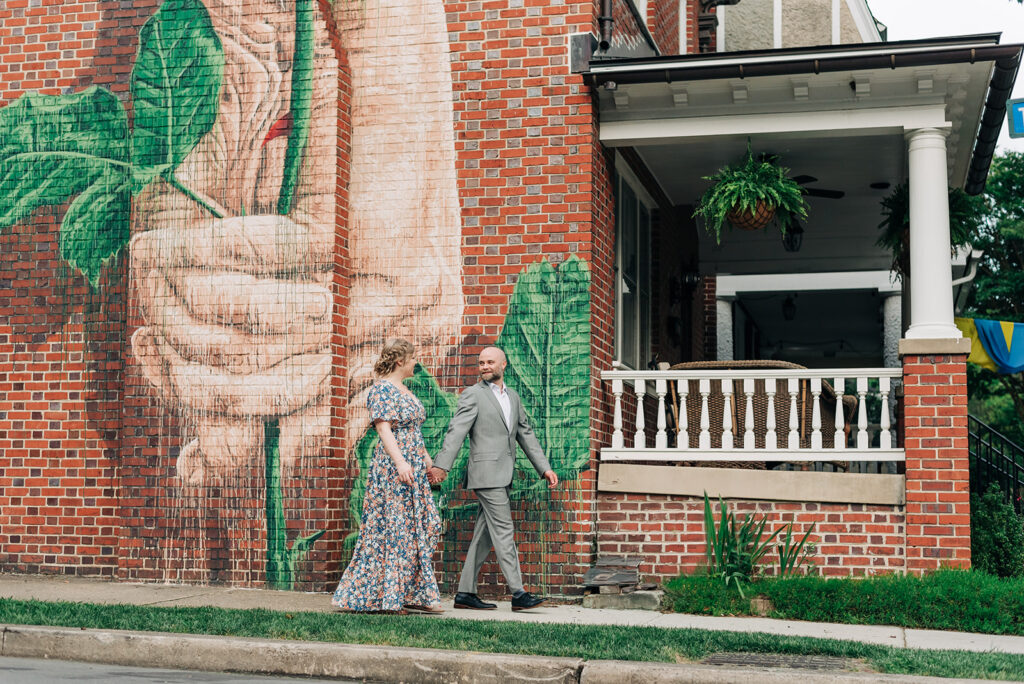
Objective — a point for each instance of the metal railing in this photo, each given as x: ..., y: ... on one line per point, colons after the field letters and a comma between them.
x: 787, y: 415
x: 995, y: 458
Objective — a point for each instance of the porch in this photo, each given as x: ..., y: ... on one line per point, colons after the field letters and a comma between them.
x: 862, y: 434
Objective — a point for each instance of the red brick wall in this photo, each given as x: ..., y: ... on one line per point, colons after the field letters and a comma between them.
x: 668, y: 532
x: 60, y: 342
x: 935, y: 439
x: 663, y: 22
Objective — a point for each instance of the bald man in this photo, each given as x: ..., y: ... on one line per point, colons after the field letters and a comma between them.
x: 492, y: 416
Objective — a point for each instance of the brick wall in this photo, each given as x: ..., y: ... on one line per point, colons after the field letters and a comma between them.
x: 935, y: 439
x: 668, y: 532
x: 663, y: 21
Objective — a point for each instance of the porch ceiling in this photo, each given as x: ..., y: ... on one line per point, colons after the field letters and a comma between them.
x: 824, y: 113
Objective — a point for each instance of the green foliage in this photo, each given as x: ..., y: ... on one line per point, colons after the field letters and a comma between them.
x: 282, y: 562
x: 60, y: 148
x: 546, y: 337
x: 792, y: 553
x: 75, y: 148
x: 959, y: 600
x: 966, y: 214
x: 175, y: 84
x: 997, y: 535
x: 734, y: 549
x: 998, y: 292
x: 301, y: 102
x: 590, y: 642
x: 742, y: 186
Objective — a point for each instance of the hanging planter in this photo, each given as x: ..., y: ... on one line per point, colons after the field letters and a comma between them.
x: 749, y: 195
x: 751, y: 219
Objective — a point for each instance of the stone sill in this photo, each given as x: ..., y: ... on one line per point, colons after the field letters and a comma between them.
x: 758, y: 485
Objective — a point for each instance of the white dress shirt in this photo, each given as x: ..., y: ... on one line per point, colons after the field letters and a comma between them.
x: 501, y: 394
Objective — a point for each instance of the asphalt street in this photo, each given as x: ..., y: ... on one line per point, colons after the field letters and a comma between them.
x: 39, y: 671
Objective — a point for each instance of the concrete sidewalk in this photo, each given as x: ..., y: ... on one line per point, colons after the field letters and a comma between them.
x: 267, y: 656
x: 46, y: 588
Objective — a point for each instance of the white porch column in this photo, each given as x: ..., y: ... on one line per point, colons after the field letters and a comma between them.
x: 724, y: 328
x: 892, y: 330
x: 931, y: 292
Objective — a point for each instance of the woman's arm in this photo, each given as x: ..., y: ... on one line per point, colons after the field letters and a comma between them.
x: 387, y: 438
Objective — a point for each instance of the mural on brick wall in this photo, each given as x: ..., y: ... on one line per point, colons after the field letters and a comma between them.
x: 218, y: 173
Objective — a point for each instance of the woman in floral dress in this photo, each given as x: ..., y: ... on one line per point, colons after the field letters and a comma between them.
x: 391, y: 569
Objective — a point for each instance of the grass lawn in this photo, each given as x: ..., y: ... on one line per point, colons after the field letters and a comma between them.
x: 588, y: 642
x: 957, y: 600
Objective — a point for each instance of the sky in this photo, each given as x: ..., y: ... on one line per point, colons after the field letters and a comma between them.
x: 909, y: 19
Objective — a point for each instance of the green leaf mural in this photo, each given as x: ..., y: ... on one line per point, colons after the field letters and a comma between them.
x: 546, y: 337
x: 175, y: 86
x: 56, y: 148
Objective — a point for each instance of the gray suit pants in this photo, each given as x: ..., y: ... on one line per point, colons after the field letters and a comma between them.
x: 493, y: 527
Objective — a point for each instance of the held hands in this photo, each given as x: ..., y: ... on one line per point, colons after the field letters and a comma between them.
x: 404, y: 472
x: 552, y: 479
x: 436, y: 475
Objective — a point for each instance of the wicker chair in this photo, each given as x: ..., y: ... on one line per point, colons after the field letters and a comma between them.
x: 716, y: 407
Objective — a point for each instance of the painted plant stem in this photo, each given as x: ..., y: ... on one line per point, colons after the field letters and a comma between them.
x: 280, y: 561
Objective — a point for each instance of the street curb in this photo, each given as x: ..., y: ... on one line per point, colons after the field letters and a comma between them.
x: 384, y: 663
x: 281, y: 657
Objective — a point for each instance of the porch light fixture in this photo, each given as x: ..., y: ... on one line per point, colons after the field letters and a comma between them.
x: 793, y: 238
x: 789, y: 308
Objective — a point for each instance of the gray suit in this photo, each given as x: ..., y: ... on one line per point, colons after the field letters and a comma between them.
x: 492, y: 459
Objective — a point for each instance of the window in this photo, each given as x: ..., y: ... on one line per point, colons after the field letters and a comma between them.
x: 632, y: 271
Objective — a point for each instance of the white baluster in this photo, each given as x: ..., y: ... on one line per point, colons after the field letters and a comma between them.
x: 770, y: 438
x: 727, y: 436
x: 794, y: 418
x: 683, y: 438
x: 748, y: 414
x: 705, y: 421
x: 661, y: 437
x: 885, y: 438
x: 639, y: 438
x: 863, y: 439
x: 617, y: 419
x: 840, y: 424
x: 815, y: 413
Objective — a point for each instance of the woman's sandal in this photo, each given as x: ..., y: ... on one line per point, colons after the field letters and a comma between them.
x: 429, y: 610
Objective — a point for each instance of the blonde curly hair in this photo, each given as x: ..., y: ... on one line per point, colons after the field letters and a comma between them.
x: 395, y: 351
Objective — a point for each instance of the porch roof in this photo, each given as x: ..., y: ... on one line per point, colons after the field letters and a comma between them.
x: 836, y: 113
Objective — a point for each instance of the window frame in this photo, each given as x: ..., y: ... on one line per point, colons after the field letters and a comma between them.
x: 625, y: 182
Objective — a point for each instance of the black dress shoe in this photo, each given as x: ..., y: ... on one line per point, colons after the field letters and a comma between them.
x: 526, y: 601
x: 472, y: 602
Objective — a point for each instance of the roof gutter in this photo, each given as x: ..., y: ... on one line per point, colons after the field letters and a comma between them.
x: 1006, y: 59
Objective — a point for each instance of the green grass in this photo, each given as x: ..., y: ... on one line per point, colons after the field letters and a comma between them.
x: 958, y: 600
x: 580, y: 641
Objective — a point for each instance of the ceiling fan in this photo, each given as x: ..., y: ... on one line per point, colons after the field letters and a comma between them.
x: 803, y: 180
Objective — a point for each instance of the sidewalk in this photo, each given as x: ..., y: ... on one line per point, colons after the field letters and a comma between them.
x: 214, y: 653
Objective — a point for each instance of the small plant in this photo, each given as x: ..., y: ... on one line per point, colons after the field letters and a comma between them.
x: 997, y: 535
x: 734, y: 549
x: 755, y: 190
x: 793, y: 554
x: 965, y: 217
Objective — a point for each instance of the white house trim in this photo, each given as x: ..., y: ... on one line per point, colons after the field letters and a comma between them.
x: 864, y: 20
x: 733, y: 285
x: 846, y: 122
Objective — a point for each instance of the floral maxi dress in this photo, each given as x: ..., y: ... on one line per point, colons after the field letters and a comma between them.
x: 391, y: 564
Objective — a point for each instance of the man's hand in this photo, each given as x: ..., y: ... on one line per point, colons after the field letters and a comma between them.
x: 552, y: 479
x: 436, y: 475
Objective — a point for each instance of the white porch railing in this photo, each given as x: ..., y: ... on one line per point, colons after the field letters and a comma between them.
x: 754, y: 415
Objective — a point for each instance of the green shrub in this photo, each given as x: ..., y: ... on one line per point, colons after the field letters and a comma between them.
x: 958, y: 600
x: 997, y: 535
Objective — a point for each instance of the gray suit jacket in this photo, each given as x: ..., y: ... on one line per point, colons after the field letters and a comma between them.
x: 492, y: 444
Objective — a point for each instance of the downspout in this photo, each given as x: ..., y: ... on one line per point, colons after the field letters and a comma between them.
x: 605, y: 23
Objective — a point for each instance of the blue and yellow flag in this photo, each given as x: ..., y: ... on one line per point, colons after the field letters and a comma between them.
x: 995, y: 345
